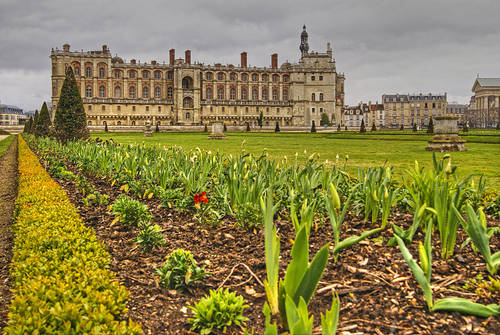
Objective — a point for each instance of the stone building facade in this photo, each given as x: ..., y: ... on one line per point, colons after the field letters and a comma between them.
x: 459, y: 110
x: 409, y: 109
x: 120, y: 93
x: 11, y: 115
x: 484, y: 108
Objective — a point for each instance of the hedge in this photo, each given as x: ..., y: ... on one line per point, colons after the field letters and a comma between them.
x: 61, y: 283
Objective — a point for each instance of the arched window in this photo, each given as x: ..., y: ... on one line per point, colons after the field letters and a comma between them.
x: 243, y: 94
x: 209, y: 76
x: 232, y: 93
x: 133, y: 123
x: 118, y: 92
x: 131, y: 92
x: 77, y: 71
x: 187, y: 83
x: 89, y: 123
x: 102, y: 92
x: 101, y: 72
x: 255, y: 94
x: 321, y: 97
x: 117, y: 74
x: 209, y: 93
x: 255, y: 77
x: 170, y: 92
x: 264, y: 77
x: 232, y: 76
x: 145, y: 74
x: 276, y: 78
x: 88, y: 72
x: 313, y: 97
x: 220, y: 93
x: 275, y: 94
x: 187, y: 102
x: 220, y: 76
x: 188, y: 116
x: 104, y: 123
x: 157, y: 75
x: 157, y: 92
x: 145, y: 92
x: 264, y: 94
x: 285, y: 79
x: 285, y: 95
x: 170, y: 75
x: 88, y: 91
x: 244, y: 77
x: 119, y: 123
x: 131, y: 74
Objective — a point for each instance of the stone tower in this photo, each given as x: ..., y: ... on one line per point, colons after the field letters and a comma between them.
x: 304, y: 45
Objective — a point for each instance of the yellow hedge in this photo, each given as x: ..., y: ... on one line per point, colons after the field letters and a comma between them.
x: 59, y: 268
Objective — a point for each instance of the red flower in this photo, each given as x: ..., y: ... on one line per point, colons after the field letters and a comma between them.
x: 200, y: 198
x: 203, y: 197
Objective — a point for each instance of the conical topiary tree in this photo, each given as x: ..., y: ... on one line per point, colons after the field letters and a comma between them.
x: 313, y: 127
x: 248, y: 126
x: 35, y: 122
x: 277, y: 128
x: 402, y: 127
x: 414, y: 128
x: 362, y: 128
x: 324, y: 120
x: 466, y: 127
x: 106, y: 127
x: 225, y: 128
x: 260, y: 119
x: 157, y: 129
x: 43, y: 125
x: 430, y: 128
x: 69, y: 121
x: 205, y: 129
x: 374, y: 127
x: 29, y: 125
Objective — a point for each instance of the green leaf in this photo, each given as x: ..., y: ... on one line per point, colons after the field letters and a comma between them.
x: 352, y: 240
x: 313, y: 275
x: 330, y: 320
x: 465, y: 306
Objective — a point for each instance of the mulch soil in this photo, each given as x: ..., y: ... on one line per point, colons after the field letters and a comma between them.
x: 8, y: 194
x: 378, y: 293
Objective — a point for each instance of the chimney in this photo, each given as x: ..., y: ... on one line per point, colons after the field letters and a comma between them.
x: 274, y: 61
x: 153, y: 62
x: 172, y: 56
x: 66, y: 47
x: 243, y: 59
x: 187, y: 57
x: 132, y: 61
x: 104, y: 48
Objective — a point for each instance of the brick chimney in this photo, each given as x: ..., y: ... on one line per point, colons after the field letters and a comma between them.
x: 274, y: 61
x: 243, y: 59
x: 66, y: 47
x: 104, y: 48
x: 172, y: 56
x: 132, y: 61
x: 187, y: 57
x: 153, y: 62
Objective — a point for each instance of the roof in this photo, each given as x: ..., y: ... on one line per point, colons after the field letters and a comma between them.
x: 486, y: 82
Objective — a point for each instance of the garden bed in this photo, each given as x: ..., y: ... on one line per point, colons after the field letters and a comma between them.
x: 378, y: 293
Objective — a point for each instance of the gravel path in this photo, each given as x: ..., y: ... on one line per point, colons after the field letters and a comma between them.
x: 8, y: 193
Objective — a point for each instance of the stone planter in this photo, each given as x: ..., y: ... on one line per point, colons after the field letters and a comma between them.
x: 446, y: 135
x: 217, y: 131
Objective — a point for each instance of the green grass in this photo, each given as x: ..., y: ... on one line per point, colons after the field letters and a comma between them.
x: 397, y: 150
x: 4, y: 144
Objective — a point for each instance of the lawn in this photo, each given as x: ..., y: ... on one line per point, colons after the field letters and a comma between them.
x: 363, y: 150
x: 4, y: 144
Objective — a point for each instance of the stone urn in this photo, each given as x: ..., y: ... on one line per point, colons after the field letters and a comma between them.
x: 147, y: 131
x: 446, y: 135
x: 217, y: 131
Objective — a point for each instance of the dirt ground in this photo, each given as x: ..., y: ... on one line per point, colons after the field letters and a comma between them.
x: 8, y: 193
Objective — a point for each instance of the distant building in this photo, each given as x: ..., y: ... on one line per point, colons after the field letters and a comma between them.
x: 484, y: 108
x: 459, y: 110
x: 409, y: 109
x: 377, y: 114
x: 370, y: 113
x: 10, y: 115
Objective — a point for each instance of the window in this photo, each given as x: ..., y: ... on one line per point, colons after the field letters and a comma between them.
x: 101, y: 72
x: 277, y: 110
x: 159, y: 108
x: 285, y: 79
x: 313, y: 97
x: 312, y: 78
x: 275, y: 94
x: 119, y: 108
x: 117, y: 74
x: 232, y: 93
x: 118, y: 92
x: 170, y: 92
x: 276, y: 78
x: 157, y: 92
x: 232, y: 76
x: 119, y: 123
x: 90, y: 108
x: 145, y: 92
x: 255, y: 77
x: 157, y: 75
x: 209, y: 93
x: 102, y: 92
x: 223, y: 110
x: 89, y: 123
x: 187, y: 83
x: 131, y: 74
x: 131, y: 92
x: 220, y: 76
x: 88, y: 72
x: 321, y: 97
x: 145, y: 74
x: 220, y: 93
x: 246, y: 110
x: 170, y: 75
x: 88, y: 91
x: 133, y: 110
x: 243, y: 94
x: 208, y: 76
x: 77, y: 72
x: 244, y: 77
x: 321, y: 110
x: 255, y: 94
x: 264, y: 94
x: 265, y: 77
x: 320, y: 78
x: 103, y: 108
x: 133, y: 122
x: 235, y: 110
x: 285, y: 95
x: 312, y: 110
x: 147, y: 108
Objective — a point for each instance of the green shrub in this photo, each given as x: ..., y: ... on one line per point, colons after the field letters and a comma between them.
x: 180, y: 270
x: 150, y: 237
x: 218, y: 311
x: 130, y: 211
x: 96, y: 199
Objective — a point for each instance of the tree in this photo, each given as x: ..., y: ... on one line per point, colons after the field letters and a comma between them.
x: 35, y: 123
x: 402, y: 127
x: 259, y: 120
x: 69, y: 121
x: 43, y: 125
x: 414, y: 127
x: 248, y: 126
x: 430, y: 128
x: 106, y: 126
x: 205, y: 129
x: 324, y: 120
x: 345, y: 128
x: 313, y: 127
x: 157, y: 129
x: 277, y: 128
x: 225, y: 128
x: 339, y: 128
x: 498, y: 125
x: 466, y: 127
x: 28, y: 126
x: 362, y: 128
x: 374, y: 127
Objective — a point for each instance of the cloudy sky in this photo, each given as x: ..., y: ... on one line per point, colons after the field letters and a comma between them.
x: 382, y: 46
